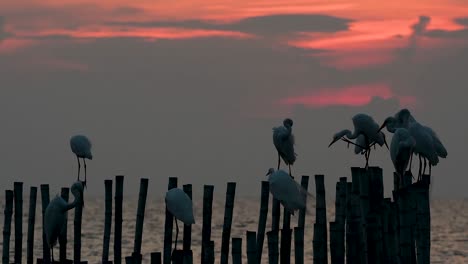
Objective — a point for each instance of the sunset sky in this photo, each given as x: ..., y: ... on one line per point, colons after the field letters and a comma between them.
x: 192, y: 88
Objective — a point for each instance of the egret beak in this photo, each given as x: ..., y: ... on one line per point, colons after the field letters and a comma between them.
x: 333, y: 141
x: 385, y: 142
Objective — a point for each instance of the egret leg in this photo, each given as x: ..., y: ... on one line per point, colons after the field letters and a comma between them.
x: 79, y: 167
x: 279, y: 161
x: 84, y: 161
x: 289, y: 165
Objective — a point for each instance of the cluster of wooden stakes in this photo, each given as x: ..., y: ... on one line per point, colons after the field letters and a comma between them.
x: 367, y: 228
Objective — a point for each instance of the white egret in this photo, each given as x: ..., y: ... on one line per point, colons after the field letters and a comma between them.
x: 401, y: 150
x: 55, y: 215
x: 179, y: 204
x: 366, y: 132
x: 283, y: 139
x: 428, y: 145
x: 286, y: 190
x: 81, y: 146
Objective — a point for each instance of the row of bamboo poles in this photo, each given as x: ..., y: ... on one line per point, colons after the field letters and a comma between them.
x: 367, y: 228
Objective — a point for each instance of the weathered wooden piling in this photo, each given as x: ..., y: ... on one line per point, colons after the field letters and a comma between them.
x: 402, y: 197
x: 207, y: 214
x: 251, y: 247
x: 423, y: 219
x: 273, y: 253
x: 8, y: 213
x: 65, y: 193
x: 107, y: 221
x: 320, y: 226
x: 262, y: 218
x: 209, y: 252
x: 334, y: 247
x: 374, y: 239
x: 285, y: 242
x: 45, y: 202
x: 338, y: 240
x: 275, y: 214
x: 363, y: 175
x: 31, y: 224
x: 18, y: 192
x: 168, y: 226
x: 77, y: 232
x: 299, y: 245
x: 353, y: 223
x: 118, y: 218
x: 228, y: 212
x: 188, y: 254
x: 236, y: 250
x: 136, y: 255
x: 156, y: 258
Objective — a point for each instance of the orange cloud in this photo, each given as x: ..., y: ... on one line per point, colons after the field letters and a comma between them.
x: 358, y: 95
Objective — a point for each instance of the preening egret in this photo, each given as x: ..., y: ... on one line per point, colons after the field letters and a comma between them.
x: 428, y: 145
x: 179, y: 204
x: 366, y: 132
x: 55, y: 214
x: 283, y: 139
x: 81, y: 146
x: 286, y: 190
x: 401, y: 149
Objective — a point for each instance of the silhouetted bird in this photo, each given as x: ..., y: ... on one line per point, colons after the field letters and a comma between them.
x: 179, y: 204
x: 283, y: 139
x: 286, y: 190
x: 401, y: 150
x: 81, y: 146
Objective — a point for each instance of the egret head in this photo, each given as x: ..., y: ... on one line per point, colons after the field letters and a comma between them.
x: 270, y: 171
x: 288, y: 122
x: 339, y: 135
x: 390, y: 123
x: 382, y: 140
x: 77, y: 190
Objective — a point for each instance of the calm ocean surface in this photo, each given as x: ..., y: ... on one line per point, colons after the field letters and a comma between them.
x: 449, y: 228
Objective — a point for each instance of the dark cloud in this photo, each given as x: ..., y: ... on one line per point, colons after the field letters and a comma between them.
x: 440, y: 33
x: 127, y: 11
x: 462, y: 21
x: 3, y: 33
x: 262, y: 25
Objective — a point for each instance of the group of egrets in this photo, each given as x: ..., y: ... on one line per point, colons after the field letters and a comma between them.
x: 410, y: 137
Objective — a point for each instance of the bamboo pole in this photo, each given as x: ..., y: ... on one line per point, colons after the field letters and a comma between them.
x: 18, y: 192
x: 178, y: 256
x: 353, y: 223
x: 188, y: 254
x: 63, y: 236
x: 424, y: 221
x: 156, y: 258
x: 8, y: 213
x: 401, y: 197
x: 264, y: 199
x: 228, y: 211
x: 302, y: 212
x: 77, y: 232
x: 207, y: 214
x: 286, y: 233
x: 107, y: 221
x: 168, y: 226
x: 334, y: 243
x: 118, y: 218
x: 45, y: 202
x: 374, y: 238
x: 273, y: 253
x: 31, y: 224
x: 251, y: 247
x: 340, y: 218
x: 236, y: 250
x: 364, y: 176
x: 136, y: 255
x: 299, y: 245
x: 320, y: 226
x: 275, y: 214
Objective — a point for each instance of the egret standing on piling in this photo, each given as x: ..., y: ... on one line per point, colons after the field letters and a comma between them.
x: 179, y: 204
x: 401, y: 149
x: 81, y: 146
x: 283, y: 139
x: 55, y: 215
x: 286, y: 190
x: 366, y: 131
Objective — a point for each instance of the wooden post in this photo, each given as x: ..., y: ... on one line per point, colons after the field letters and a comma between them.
x: 136, y: 255
x: 18, y: 192
x: 299, y: 245
x: 264, y: 199
x: 31, y: 224
x: 107, y: 221
x: 286, y: 233
x: 393, y: 244
x: 251, y: 247
x: 376, y: 190
x: 320, y: 226
x: 353, y: 223
x: 423, y: 220
x: 275, y: 214
x: 118, y: 218
x: 402, y: 198
x: 8, y: 213
x: 228, y: 211
x: 178, y: 256
x: 45, y: 202
x: 302, y: 212
x: 77, y: 233
x: 374, y: 239
x: 364, y: 182
x: 207, y: 213
x: 340, y: 219
x: 188, y: 254
x: 334, y: 243
x: 168, y: 226
x: 273, y: 253
x: 156, y: 258
x: 236, y: 250
x: 63, y: 236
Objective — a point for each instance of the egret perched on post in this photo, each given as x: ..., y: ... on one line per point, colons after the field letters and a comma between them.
x: 428, y: 145
x: 366, y: 132
x: 401, y: 149
x: 283, y: 139
x: 179, y: 204
x: 286, y: 190
x: 55, y: 215
x: 81, y: 146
